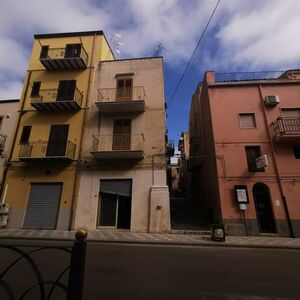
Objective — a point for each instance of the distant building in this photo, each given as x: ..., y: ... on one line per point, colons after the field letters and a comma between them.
x: 184, y: 149
x: 234, y: 120
x: 8, y: 114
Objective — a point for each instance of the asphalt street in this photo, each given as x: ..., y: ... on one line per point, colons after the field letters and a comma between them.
x: 136, y: 271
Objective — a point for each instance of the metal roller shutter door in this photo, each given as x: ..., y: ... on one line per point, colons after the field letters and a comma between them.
x: 43, y: 205
x: 120, y: 187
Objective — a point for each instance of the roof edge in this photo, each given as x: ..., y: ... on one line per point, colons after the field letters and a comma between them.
x: 67, y: 34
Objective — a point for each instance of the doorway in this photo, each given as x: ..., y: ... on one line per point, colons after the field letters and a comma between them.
x: 124, y: 89
x: 66, y: 90
x: 121, y: 134
x: 115, y: 203
x: 263, y: 207
x: 57, y: 142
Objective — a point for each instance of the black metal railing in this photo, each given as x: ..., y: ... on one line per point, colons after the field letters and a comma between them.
x: 2, y: 141
x: 51, y: 95
x: 248, y: 76
x: 69, y: 281
x: 285, y: 126
x: 42, y: 149
x: 60, y: 53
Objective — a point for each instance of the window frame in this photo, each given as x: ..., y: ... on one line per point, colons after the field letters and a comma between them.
x: 249, y: 163
x: 247, y: 113
x: 295, y: 149
x: 22, y: 140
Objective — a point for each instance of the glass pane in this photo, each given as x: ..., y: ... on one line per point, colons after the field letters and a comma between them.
x: 108, y: 210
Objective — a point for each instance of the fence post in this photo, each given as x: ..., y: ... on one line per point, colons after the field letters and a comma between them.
x: 76, y: 275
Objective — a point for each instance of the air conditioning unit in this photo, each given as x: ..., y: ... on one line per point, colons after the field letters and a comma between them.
x: 272, y: 100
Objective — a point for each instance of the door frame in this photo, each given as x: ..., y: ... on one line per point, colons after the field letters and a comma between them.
x: 267, y: 192
x: 117, y: 208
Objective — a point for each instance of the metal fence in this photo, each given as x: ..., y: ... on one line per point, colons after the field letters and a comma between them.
x: 2, y: 141
x: 69, y: 281
x: 42, y: 149
x: 50, y: 95
x: 121, y: 94
x: 246, y: 76
x: 118, y: 142
x: 286, y: 126
x: 60, y: 53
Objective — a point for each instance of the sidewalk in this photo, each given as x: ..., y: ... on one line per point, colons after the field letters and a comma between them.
x: 114, y: 236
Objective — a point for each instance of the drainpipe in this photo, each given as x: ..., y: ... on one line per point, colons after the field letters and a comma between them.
x: 76, y: 179
x: 278, y: 176
x: 16, y: 131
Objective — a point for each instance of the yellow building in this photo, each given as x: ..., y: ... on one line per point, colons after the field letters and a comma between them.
x: 42, y: 178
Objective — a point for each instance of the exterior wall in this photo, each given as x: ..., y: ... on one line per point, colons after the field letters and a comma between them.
x: 226, y: 101
x: 21, y: 174
x: 8, y: 111
x: 145, y: 173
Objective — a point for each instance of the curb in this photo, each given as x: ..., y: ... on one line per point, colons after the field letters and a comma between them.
x: 160, y: 243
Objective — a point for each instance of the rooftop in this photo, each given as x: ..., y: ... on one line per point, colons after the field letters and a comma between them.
x: 67, y: 34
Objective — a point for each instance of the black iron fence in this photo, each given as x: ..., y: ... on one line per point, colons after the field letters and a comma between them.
x: 69, y: 281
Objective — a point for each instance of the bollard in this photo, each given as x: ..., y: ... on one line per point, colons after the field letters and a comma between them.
x: 76, y: 275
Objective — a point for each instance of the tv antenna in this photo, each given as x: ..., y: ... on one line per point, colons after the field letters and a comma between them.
x: 158, y: 50
x: 116, y: 42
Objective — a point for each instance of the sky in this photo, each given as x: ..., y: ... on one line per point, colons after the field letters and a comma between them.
x: 256, y: 35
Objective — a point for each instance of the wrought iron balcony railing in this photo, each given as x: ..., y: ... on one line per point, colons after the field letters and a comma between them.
x: 121, y: 94
x: 47, y: 150
x: 49, y: 99
x: 2, y: 141
x: 61, y: 59
x: 118, y: 146
x: 285, y: 127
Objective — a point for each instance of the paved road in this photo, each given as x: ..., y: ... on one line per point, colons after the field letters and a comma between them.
x: 161, y: 272
x: 132, y: 271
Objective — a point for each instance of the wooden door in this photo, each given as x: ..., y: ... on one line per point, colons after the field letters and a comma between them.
x: 66, y: 90
x: 57, y: 142
x: 121, y: 134
x: 124, y: 89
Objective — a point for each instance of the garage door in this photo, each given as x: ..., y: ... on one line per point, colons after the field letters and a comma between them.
x: 43, y: 205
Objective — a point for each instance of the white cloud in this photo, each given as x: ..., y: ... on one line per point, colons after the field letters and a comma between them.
x: 243, y: 34
x: 10, y: 90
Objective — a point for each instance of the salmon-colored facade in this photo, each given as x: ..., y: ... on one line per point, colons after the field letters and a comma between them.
x: 232, y: 123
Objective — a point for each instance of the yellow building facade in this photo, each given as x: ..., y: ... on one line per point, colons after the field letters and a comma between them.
x: 42, y: 177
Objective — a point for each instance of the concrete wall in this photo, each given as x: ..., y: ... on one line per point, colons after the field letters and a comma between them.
x: 226, y: 102
x: 147, y: 73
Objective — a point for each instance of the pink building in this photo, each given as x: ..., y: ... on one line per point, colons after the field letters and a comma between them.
x: 234, y: 119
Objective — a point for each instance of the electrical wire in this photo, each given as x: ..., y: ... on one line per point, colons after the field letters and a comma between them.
x: 191, y: 58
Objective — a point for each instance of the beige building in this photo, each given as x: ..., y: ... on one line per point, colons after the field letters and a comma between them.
x: 123, y: 172
x: 8, y: 113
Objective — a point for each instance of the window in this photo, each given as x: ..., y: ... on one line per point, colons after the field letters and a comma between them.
x: 66, y: 90
x: 247, y: 120
x: 124, y: 89
x: 290, y: 112
x: 72, y: 50
x: 35, y: 91
x: 44, y: 52
x: 252, y: 153
x: 25, y: 135
x: 296, y: 150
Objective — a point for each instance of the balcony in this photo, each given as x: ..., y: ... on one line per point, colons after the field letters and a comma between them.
x: 50, y: 100
x: 68, y: 58
x: 111, y: 100
x: 47, y: 151
x: 118, y: 146
x: 2, y: 141
x: 286, y: 129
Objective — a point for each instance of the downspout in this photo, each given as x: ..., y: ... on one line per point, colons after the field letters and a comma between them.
x: 16, y: 131
x: 76, y: 179
x: 278, y: 176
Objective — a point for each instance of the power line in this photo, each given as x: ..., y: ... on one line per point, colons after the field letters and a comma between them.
x: 191, y: 58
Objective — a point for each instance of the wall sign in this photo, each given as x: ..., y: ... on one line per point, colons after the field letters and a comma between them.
x: 241, y: 194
